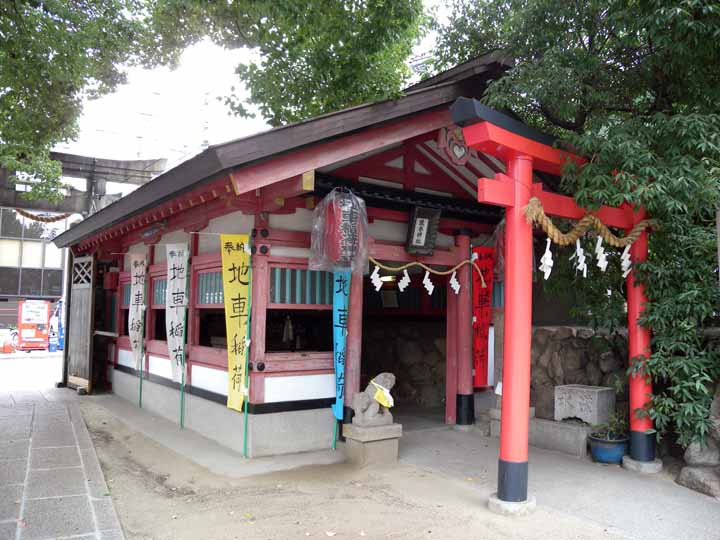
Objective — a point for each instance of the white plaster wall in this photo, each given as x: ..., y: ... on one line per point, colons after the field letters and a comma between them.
x: 301, y: 220
x: 125, y: 358
x: 135, y: 248
x: 285, y: 251
x: 233, y: 223
x: 388, y: 231
x: 297, y: 387
x: 169, y: 238
x: 213, y: 380
x: 391, y: 231
x: 157, y: 365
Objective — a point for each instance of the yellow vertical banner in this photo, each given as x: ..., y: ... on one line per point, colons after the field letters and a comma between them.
x: 236, y: 292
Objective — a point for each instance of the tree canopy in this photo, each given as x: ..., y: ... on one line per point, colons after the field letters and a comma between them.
x: 633, y: 85
x: 53, y: 53
x: 315, y: 56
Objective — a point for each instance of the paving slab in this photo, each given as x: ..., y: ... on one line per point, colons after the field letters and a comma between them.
x: 51, y: 484
x: 52, y: 458
x: 12, y: 471
x: 10, y: 498
x: 55, y: 483
x: 7, y: 531
x: 53, y: 438
x: 105, y: 514
x: 14, y: 449
x: 61, y: 516
x: 94, y: 475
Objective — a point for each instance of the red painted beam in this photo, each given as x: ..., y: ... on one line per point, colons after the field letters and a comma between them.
x: 446, y: 224
x: 449, y: 166
x: 396, y: 253
x: 499, y: 191
x: 320, y: 155
x: 499, y: 142
x: 566, y: 207
x: 274, y: 196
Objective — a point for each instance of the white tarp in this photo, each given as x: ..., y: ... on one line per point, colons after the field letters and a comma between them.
x: 176, y: 307
x: 136, y: 317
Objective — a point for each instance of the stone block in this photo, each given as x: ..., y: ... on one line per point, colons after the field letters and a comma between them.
x: 365, y: 446
x: 364, y: 454
x: 375, y: 433
x: 568, y: 438
x: 591, y: 404
x: 703, y: 454
x: 703, y: 479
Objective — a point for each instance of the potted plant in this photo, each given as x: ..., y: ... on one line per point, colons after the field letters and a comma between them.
x: 608, y: 442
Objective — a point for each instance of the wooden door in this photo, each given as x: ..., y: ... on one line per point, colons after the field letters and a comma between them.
x: 80, y: 323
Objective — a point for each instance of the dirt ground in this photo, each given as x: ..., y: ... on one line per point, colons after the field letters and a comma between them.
x: 159, y: 495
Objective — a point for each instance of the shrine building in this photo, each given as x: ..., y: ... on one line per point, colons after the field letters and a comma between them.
x: 438, y: 173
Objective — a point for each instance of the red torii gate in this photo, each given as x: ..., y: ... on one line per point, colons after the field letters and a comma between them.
x: 523, y: 150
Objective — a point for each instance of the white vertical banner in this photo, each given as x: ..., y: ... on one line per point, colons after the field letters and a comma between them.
x: 176, y: 308
x: 136, y: 317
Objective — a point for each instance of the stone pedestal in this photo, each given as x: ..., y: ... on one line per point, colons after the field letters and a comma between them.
x: 591, y: 404
x: 506, y: 508
x: 372, y: 445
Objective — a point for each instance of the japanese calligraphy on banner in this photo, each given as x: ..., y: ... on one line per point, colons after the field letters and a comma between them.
x: 484, y: 257
x: 136, y: 315
x: 176, y: 308
x: 236, y: 280
x: 341, y: 294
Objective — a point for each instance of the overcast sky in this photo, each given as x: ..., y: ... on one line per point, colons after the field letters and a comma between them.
x: 170, y: 114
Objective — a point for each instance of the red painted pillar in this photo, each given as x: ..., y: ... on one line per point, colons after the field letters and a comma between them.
x: 354, y: 344
x: 260, y: 284
x: 465, y: 404
x: 642, y: 438
x: 513, y: 463
x: 451, y: 358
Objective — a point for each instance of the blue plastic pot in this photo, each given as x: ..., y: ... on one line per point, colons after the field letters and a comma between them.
x: 607, y: 451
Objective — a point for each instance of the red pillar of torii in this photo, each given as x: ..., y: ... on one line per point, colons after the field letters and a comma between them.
x: 524, y: 150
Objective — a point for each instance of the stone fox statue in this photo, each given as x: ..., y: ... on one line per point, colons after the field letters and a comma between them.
x: 368, y: 410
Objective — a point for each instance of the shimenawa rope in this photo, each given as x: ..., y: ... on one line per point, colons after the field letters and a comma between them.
x: 41, y: 219
x: 432, y: 271
x: 535, y: 215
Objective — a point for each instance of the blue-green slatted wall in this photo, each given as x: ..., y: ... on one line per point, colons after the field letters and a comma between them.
x: 291, y: 286
x: 159, y: 288
x: 210, y: 288
x: 126, y: 294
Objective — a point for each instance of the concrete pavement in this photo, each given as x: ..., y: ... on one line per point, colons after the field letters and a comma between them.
x: 51, y: 484
x: 640, y: 507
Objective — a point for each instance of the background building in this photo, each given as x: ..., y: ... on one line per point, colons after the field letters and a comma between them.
x: 31, y: 266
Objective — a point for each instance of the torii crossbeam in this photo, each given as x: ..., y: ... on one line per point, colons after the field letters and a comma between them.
x: 523, y: 150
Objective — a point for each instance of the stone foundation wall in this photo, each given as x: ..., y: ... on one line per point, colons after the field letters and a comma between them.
x: 571, y: 355
x: 414, y: 350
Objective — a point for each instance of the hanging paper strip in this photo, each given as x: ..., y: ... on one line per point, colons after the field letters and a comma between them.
x: 176, y: 308
x: 484, y: 257
x: 136, y: 315
x: 341, y: 294
x: 236, y: 289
